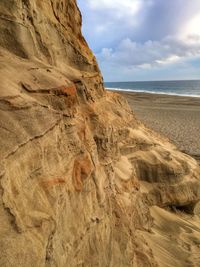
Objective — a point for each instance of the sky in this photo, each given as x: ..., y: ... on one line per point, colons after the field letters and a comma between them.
x: 142, y: 40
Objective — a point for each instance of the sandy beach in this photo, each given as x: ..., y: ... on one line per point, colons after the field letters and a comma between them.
x: 176, y: 117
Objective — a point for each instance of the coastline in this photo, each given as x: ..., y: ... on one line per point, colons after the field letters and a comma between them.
x: 149, y: 92
x: 176, y: 117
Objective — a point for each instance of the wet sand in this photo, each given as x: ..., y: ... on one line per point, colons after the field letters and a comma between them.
x: 176, y: 117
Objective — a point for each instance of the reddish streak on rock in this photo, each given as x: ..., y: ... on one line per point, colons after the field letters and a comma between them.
x: 82, y: 170
x: 67, y: 90
x: 53, y: 182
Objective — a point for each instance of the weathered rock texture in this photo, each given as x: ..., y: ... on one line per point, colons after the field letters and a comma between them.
x: 78, y: 172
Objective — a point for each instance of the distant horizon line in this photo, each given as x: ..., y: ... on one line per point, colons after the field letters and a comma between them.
x: 153, y: 81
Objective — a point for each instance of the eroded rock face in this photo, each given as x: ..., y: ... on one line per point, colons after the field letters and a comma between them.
x: 78, y: 172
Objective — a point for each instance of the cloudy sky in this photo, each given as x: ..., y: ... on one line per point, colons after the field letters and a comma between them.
x: 144, y: 39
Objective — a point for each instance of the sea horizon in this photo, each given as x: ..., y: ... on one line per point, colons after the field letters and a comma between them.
x: 189, y: 88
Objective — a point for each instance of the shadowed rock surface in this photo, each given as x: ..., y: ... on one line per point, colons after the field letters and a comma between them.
x: 82, y: 181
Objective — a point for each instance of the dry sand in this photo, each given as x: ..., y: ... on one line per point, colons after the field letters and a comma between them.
x: 175, y: 236
x: 176, y: 117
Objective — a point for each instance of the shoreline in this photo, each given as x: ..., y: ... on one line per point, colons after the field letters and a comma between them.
x: 176, y: 117
x: 150, y: 93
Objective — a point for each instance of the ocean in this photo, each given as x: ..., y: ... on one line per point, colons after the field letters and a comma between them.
x: 182, y: 88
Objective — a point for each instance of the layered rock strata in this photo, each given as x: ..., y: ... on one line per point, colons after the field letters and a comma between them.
x: 78, y: 171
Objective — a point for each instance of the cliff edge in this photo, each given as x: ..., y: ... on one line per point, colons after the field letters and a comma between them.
x: 82, y: 181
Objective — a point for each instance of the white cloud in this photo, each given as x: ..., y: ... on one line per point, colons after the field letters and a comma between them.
x: 131, y: 36
x: 108, y: 20
x: 168, y: 60
x: 151, y: 53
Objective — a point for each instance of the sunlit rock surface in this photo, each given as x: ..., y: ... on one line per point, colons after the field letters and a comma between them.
x: 78, y: 171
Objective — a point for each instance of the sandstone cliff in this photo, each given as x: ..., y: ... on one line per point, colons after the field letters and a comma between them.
x: 82, y: 181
